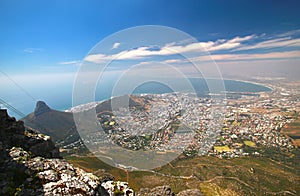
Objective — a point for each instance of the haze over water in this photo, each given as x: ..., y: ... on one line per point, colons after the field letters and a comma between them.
x: 62, y: 98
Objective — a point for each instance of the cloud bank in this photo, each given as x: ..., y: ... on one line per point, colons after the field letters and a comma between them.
x: 250, y: 47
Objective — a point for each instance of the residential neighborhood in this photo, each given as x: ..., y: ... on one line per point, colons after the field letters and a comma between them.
x: 187, y: 123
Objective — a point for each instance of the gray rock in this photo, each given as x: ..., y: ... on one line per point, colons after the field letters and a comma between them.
x: 160, y: 190
x: 121, y: 188
x: 18, y: 154
x: 48, y: 175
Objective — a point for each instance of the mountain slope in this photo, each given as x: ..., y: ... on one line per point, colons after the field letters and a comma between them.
x: 61, y: 126
x: 58, y: 125
x: 122, y: 101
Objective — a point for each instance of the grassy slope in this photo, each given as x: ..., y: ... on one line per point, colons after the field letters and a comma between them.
x: 293, y: 129
x: 212, y: 175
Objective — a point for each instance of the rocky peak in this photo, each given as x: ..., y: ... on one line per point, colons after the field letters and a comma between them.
x: 40, y: 108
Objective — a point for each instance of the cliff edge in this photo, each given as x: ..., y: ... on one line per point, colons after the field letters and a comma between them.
x: 30, y: 165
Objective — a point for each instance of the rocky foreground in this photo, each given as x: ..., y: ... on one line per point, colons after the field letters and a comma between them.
x: 30, y: 164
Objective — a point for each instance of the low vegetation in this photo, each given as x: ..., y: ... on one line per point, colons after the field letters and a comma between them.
x: 239, y: 176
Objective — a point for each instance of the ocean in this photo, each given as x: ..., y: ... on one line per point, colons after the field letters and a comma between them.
x: 61, y: 98
x: 198, y: 85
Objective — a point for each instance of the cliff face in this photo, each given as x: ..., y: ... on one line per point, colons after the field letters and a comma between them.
x: 30, y: 165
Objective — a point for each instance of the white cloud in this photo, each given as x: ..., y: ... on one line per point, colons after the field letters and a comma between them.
x: 32, y: 50
x: 116, y: 45
x: 223, y: 44
x: 273, y: 43
x: 290, y: 33
x: 137, y: 53
x: 170, y: 49
x: 173, y: 61
x: 70, y: 63
x: 239, y: 57
x: 247, y: 57
x: 226, y: 46
x: 272, y: 55
x: 242, y: 39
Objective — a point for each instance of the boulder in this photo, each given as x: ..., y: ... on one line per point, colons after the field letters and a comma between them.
x: 160, y: 190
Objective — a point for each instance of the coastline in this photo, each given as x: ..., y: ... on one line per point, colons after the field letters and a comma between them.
x: 238, y: 80
x: 251, y: 82
x: 91, y: 104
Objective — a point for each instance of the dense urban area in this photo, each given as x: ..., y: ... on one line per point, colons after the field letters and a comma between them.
x: 184, y: 122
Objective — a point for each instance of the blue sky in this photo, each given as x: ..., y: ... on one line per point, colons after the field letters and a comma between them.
x: 37, y: 35
x: 43, y: 42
